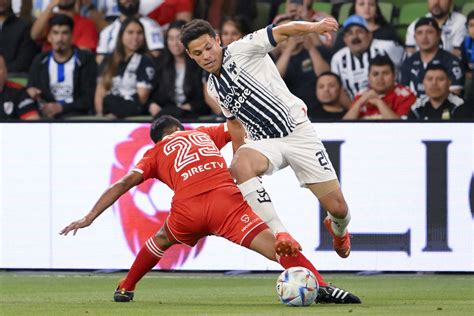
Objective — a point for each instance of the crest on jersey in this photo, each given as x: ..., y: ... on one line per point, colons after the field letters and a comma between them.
x: 140, y: 212
x: 8, y: 107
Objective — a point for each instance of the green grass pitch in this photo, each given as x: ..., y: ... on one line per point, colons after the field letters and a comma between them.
x: 48, y: 293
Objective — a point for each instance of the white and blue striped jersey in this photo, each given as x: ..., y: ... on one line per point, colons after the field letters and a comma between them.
x: 250, y: 88
x: 61, y: 79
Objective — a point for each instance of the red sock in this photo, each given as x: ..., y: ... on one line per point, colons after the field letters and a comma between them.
x: 301, y: 261
x: 146, y: 259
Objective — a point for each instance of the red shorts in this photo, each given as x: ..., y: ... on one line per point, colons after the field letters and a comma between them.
x: 222, y: 212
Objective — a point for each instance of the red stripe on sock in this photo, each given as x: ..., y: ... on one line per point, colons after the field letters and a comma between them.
x: 301, y: 261
x: 144, y: 262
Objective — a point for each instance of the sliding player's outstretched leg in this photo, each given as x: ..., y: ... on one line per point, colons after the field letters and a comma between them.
x: 327, y: 294
x: 147, y: 258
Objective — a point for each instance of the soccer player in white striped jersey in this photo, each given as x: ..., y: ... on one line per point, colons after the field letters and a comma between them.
x: 254, y: 98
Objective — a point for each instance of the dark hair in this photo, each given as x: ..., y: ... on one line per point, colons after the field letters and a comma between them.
x: 470, y: 16
x: 433, y: 67
x: 195, y: 29
x: 428, y: 21
x: 61, y: 19
x: 162, y: 126
x: 240, y: 22
x: 178, y: 24
x: 379, y: 18
x: 118, y: 55
x: 382, y: 60
x: 329, y: 73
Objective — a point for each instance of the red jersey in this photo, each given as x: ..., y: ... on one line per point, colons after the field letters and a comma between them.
x: 400, y: 100
x: 189, y: 162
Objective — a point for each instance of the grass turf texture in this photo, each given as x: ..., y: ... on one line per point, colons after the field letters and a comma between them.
x: 216, y: 294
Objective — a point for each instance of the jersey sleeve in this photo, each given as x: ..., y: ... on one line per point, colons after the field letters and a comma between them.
x: 257, y: 43
x: 153, y: 34
x: 395, y: 52
x: 459, y: 31
x: 103, y: 39
x: 410, y: 37
x: 145, y: 73
x: 147, y: 165
x: 456, y: 73
x: 26, y: 105
x: 219, y: 134
x: 405, y: 100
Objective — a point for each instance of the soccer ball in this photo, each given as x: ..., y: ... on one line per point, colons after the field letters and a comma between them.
x: 297, y: 286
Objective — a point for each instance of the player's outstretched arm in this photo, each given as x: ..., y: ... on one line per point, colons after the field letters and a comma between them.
x: 112, y: 194
x: 325, y: 27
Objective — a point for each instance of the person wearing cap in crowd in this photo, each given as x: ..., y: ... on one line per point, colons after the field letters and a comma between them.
x: 428, y: 36
x: 439, y: 103
x: 452, y: 24
x: 351, y: 63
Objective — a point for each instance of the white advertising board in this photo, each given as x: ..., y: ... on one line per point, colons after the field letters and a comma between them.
x: 409, y: 188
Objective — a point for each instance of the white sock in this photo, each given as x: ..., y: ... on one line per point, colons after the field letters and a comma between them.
x: 260, y: 202
x: 339, y: 224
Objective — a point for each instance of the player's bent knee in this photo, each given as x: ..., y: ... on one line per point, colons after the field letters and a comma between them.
x: 162, y: 240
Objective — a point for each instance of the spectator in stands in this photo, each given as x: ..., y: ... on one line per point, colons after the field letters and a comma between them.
x: 15, y: 103
x: 384, y: 98
x: 85, y: 33
x: 172, y: 10
x: 439, y: 103
x: 128, y: 9
x: 214, y: 10
x: 299, y: 65
x: 467, y: 46
x: 376, y: 23
x: 102, y: 12
x: 178, y: 90
x: 15, y: 43
x: 233, y: 28
x: 126, y: 78
x: 328, y: 94
x: 428, y: 36
x: 453, y: 27
x: 62, y: 80
x: 351, y: 63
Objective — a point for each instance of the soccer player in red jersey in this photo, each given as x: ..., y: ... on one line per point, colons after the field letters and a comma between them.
x: 206, y: 202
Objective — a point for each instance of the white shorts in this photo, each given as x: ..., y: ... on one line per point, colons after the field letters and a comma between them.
x: 302, y: 150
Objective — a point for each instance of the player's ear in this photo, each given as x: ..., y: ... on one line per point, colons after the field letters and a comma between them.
x: 218, y: 39
x: 189, y: 54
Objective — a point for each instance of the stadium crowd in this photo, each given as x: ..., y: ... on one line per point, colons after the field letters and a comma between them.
x: 116, y: 59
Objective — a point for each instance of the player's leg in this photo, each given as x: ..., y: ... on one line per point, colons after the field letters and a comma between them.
x: 310, y: 162
x: 332, y: 200
x: 262, y: 243
x: 246, y: 166
x: 147, y: 258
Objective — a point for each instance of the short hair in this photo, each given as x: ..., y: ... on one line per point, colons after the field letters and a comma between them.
x: 61, y: 19
x: 162, y: 126
x: 428, y: 21
x: 331, y: 74
x: 440, y: 67
x: 382, y: 60
x: 195, y: 29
